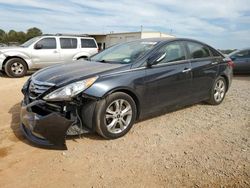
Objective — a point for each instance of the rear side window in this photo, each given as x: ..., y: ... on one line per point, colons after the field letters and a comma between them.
x: 174, y: 52
x: 68, y: 43
x: 47, y: 43
x: 215, y: 53
x: 198, y: 50
x: 88, y: 43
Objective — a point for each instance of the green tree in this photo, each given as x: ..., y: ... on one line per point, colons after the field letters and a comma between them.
x: 12, y: 36
x: 2, y: 36
x: 33, y: 32
x: 20, y: 36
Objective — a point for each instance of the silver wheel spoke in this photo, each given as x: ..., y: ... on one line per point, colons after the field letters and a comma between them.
x: 117, y: 106
x: 110, y: 111
x: 126, y: 111
x: 112, y: 124
x: 109, y: 116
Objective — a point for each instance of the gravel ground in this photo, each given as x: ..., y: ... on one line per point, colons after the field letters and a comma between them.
x: 198, y: 146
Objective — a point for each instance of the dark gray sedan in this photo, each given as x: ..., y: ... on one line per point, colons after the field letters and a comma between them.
x: 119, y: 86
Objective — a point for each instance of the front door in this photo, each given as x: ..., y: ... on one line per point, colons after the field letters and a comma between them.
x: 45, y: 52
x: 169, y: 81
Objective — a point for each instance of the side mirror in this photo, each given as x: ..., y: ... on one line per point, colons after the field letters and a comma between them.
x: 156, y: 58
x: 38, y: 46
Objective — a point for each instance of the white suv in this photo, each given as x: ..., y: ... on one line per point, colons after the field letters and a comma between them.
x: 44, y: 51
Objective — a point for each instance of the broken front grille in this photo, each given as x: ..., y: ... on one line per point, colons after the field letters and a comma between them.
x: 37, y: 88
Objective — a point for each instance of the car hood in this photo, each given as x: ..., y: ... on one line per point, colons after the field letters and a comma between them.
x: 69, y: 72
x: 11, y: 48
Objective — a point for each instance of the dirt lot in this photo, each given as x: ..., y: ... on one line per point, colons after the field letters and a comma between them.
x: 199, y: 146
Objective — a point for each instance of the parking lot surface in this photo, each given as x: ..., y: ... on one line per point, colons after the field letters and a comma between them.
x: 197, y: 146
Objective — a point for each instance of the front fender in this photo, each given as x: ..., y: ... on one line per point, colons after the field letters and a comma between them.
x: 19, y: 54
x: 130, y: 81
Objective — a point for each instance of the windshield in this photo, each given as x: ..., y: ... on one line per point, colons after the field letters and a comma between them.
x: 29, y: 42
x: 124, y: 53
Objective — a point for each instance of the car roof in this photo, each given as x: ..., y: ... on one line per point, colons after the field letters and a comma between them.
x: 168, y: 39
x: 68, y: 36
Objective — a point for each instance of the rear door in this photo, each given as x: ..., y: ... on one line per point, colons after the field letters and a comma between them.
x: 204, y: 69
x: 68, y: 48
x: 169, y: 82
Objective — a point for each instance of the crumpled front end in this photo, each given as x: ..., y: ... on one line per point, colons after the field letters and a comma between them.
x: 47, y: 124
x: 44, y: 127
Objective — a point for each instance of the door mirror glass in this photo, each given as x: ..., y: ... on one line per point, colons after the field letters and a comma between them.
x: 156, y: 58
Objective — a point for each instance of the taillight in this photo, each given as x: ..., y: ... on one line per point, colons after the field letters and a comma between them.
x: 230, y: 63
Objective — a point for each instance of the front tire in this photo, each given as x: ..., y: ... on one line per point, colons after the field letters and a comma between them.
x: 15, y: 68
x: 115, y: 115
x: 218, y: 91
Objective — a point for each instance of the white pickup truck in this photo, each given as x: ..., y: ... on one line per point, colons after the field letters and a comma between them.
x: 43, y: 51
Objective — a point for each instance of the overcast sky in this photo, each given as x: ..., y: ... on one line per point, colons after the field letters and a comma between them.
x: 223, y: 24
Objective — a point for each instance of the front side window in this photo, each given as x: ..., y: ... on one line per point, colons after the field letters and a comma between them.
x: 47, y: 43
x: 29, y: 42
x: 198, y: 50
x: 88, y: 43
x: 174, y: 52
x: 68, y: 43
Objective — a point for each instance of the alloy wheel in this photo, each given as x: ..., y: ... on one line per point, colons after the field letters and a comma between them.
x: 219, y: 90
x: 17, y: 68
x: 118, y: 116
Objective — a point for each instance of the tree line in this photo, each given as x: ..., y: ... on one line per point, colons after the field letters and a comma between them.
x: 18, y: 36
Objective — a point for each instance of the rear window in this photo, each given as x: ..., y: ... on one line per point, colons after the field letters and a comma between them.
x: 88, y: 43
x: 198, y: 50
x: 68, y: 43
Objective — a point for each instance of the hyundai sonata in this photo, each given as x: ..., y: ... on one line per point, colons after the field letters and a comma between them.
x: 119, y: 86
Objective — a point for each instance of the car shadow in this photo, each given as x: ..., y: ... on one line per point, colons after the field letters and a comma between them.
x: 2, y: 74
x: 15, y: 122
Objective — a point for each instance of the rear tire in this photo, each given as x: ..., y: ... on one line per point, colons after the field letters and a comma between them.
x: 218, y: 91
x: 115, y: 115
x: 15, y: 68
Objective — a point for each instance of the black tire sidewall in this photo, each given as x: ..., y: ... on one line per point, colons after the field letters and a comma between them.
x: 101, y: 110
x: 8, y: 70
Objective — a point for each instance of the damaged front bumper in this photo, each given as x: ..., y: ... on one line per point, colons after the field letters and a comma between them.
x: 48, y: 129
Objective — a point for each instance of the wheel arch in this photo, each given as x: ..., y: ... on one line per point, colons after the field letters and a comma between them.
x: 80, y: 54
x: 11, y: 57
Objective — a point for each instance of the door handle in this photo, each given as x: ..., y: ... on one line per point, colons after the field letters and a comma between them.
x: 55, y: 51
x: 214, y: 63
x: 186, y: 70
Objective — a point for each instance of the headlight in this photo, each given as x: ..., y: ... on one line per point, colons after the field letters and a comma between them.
x: 71, y: 90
